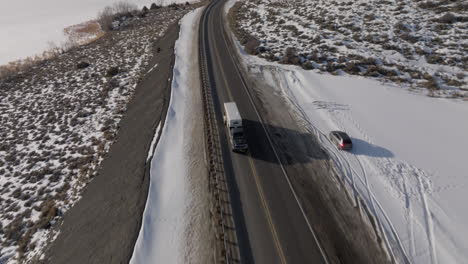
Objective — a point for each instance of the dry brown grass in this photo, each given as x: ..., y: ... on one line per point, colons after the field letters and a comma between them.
x: 84, y: 33
x: 18, y: 66
x: 80, y: 34
x: 89, y: 27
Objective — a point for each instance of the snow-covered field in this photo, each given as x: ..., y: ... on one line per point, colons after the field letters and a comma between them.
x: 408, y: 159
x: 29, y: 27
x: 423, y: 44
x: 57, y: 122
x: 169, y: 207
x: 407, y: 163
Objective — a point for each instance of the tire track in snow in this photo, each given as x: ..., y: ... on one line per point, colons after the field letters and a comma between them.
x: 343, y: 165
x: 410, y: 217
x: 429, y: 222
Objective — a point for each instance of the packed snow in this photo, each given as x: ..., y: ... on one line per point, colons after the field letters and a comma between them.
x: 30, y: 27
x: 165, y: 219
x: 407, y: 160
x: 153, y: 142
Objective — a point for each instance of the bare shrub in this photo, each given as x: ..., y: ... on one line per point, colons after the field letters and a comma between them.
x: 293, y: 29
x: 290, y: 56
x: 352, y: 68
x: 428, y: 5
x: 432, y: 82
x: 14, y: 230
x: 123, y: 7
x: 154, y: 6
x: 82, y: 64
x: 434, y: 59
x: 112, y: 71
x: 174, y: 6
x: 448, y: 18
x: 251, y: 45
x: 110, y: 13
x: 308, y: 65
x: 24, y: 242
x: 105, y: 18
x: 48, y: 212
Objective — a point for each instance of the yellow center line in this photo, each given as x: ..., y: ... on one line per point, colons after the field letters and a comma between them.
x: 266, y: 209
x: 267, y: 213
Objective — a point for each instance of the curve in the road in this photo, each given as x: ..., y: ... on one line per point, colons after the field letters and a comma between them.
x: 266, y: 192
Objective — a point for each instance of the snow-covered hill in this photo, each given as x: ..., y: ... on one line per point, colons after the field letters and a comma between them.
x: 423, y: 44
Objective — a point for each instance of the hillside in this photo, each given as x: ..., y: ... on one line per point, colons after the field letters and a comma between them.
x: 58, y: 120
x: 421, y: 44
x: 365, y: 68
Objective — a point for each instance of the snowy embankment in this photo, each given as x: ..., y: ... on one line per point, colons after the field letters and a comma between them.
x: 162, y: 237
x: 408, y: 155
x: 30, y: 27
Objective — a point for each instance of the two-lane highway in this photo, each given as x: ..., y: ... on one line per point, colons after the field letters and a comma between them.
x: 271, y: 225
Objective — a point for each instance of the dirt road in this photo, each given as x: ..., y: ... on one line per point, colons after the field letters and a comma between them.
x: 103, y: 226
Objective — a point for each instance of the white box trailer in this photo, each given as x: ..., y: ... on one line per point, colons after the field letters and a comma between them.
x: 233, y: 122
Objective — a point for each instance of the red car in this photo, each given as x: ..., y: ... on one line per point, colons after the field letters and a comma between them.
x: 341, y: 139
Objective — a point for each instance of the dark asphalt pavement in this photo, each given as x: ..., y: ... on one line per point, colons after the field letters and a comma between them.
x: 271, y: 225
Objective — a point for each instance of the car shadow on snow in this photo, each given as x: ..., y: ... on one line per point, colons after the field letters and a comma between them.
x: 361, y: 147
x: 292, y: 146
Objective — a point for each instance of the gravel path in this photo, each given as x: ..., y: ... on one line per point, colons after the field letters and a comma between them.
x: 102, y: 227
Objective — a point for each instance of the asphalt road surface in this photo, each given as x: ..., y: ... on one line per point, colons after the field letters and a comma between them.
x: 288, y: 204
x: 271, y: 224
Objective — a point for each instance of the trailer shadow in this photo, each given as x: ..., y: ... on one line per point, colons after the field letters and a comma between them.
x: 292, y: 146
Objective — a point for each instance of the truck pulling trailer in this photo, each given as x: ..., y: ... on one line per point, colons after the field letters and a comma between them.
x: 233, y: 122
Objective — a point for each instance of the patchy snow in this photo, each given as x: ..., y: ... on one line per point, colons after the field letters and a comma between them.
x: 409, y: 149
x: 399, y: 41
x: 154, y: 67
x: 29, y: 27
x: 57, y: 122
x: 153, y: 142
x: 162, y: 238
x: 408, y: 155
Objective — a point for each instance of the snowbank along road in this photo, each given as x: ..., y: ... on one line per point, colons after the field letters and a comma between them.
x: 175, y: 226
